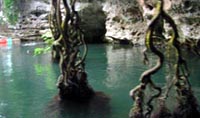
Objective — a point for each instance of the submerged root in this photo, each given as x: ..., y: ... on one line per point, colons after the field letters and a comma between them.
x: 75, y: 93
x: 136, y: 114
x: 98, y: 105
x: 136, y: 111
x: 76, y: 88
x: 138, y: 95
x: 187, y: 107
x: 163, y: 112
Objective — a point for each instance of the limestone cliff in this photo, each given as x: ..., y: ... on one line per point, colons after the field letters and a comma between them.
x: 128, y: 19
x: 114, y: 19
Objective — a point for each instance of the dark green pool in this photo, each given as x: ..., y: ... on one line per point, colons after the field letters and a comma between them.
x: 27, y: 82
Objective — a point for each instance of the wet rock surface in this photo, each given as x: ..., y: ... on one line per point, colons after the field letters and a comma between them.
x: 33, y: 21
x: 124, y: 21
x: 103, y: 19
x: 92, y: 22
x: 129, y: 19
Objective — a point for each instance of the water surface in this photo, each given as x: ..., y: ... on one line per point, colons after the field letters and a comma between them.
x: 27, y: 82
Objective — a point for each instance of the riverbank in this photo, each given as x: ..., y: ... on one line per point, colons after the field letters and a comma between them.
x: 109, y: 21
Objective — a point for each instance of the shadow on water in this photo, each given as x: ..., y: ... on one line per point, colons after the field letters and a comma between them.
x: 97, y: 107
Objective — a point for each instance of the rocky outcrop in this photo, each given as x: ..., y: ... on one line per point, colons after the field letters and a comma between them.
x: 92, y: 21
x: 186, y: 15
x: 112, y: 20
x: 128, y: 19
x: 188, y: 18
x: 33, y: 21
x: 124, y: 21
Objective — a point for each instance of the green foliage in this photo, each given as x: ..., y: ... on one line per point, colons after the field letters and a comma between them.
x: 38, y: 51
x: 10, y: 11
x: 1, y: 21
x: 48, y: 39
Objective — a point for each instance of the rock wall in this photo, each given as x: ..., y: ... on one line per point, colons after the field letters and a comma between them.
x: 124, y: 21
x: 128, y: 19
x: 113, y: 20
x: 187, y: 17
x: 33, y: 20
x: 93, y: 21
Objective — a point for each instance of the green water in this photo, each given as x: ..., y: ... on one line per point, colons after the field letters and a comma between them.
x: 27, y: 82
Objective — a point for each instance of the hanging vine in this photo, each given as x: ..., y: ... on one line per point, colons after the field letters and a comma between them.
x: 69, y: 40
x: 180, y: 81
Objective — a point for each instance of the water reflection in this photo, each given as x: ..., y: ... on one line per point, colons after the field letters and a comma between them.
x: 97, y: 107
x: 28, y: 92
x: 48, y: 70
x: 113, y: 70
x: 7, y: 66
x: 121, y: 62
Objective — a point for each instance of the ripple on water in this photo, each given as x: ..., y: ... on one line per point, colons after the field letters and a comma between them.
x: 1, y: 116
x: 2, y: 105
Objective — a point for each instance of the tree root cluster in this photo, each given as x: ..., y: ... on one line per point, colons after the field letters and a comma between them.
x: 68, y: 36
x: 187, y: 106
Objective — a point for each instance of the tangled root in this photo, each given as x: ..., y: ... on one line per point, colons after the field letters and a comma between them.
x: 163, y: 112
x: 136, y: 114
x: 188, y: 107
x: 77, y: 87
